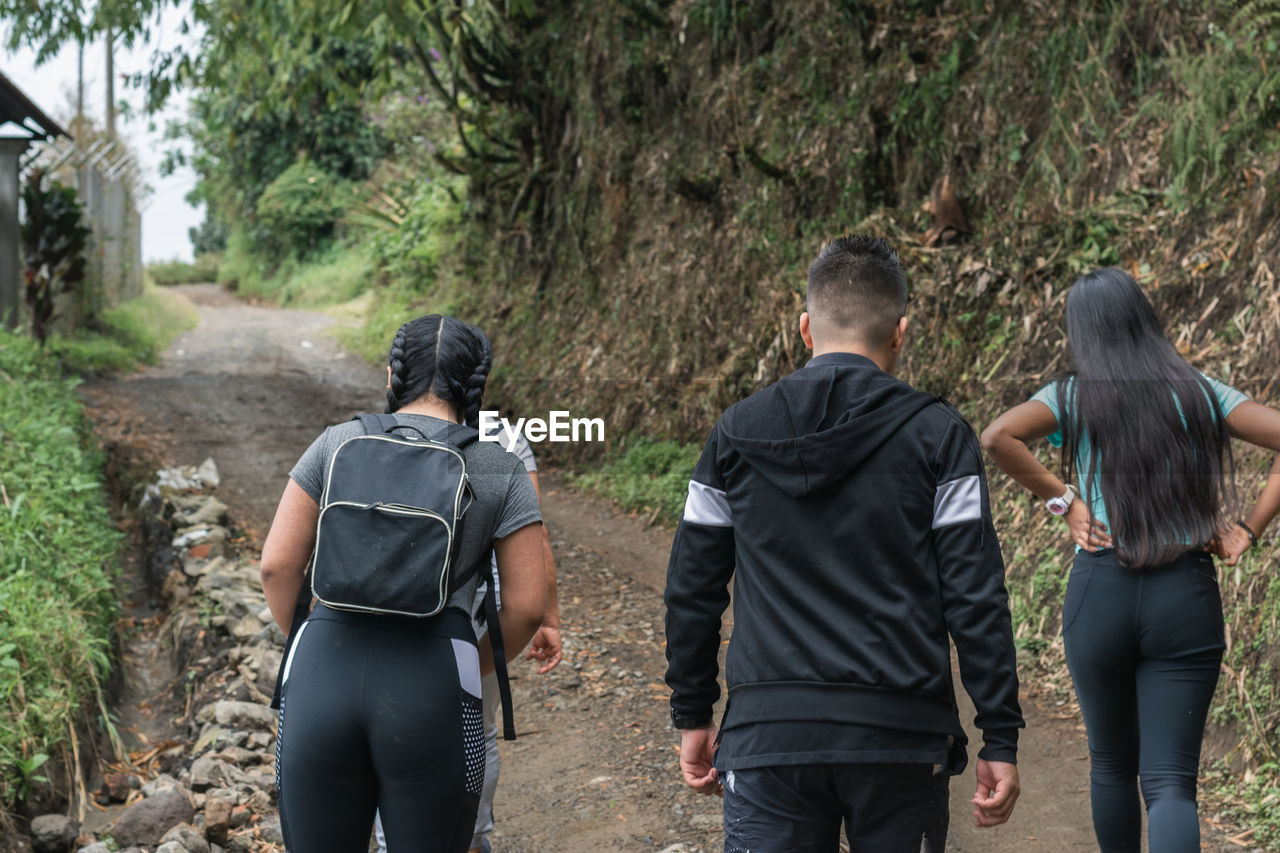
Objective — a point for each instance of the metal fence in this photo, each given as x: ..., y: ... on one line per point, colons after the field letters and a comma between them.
x: 108, y: 181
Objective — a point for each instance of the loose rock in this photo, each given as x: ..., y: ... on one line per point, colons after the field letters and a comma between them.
x: 187, y: 840
x: 54, y: 833
x: 147, y: 821
x: 241, y: 715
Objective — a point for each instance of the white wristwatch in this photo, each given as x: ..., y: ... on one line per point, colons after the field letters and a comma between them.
x: 1060, y: 505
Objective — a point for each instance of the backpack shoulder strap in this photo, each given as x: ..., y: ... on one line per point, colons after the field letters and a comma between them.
x: 460, y: 435
x: 376, y: 424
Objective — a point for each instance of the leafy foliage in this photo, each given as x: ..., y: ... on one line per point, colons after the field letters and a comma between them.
x: 299, y: 209
x: 54, y: 240
x: 415, y: 250
x: 209, y: 237
x: 1231, y: 101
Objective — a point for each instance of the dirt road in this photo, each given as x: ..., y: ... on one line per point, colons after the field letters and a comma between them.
x: 595, y: 767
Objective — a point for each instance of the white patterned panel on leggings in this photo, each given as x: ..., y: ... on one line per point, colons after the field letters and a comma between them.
x: 473, y: 743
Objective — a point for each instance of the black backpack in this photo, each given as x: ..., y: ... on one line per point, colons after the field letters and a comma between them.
x: 390, y: 517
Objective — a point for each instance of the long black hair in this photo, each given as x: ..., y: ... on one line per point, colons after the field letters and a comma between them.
x: 1159, y: 439
x: 442, y: 356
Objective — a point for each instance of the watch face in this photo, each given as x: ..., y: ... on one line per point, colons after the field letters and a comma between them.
x: 1057, y: 506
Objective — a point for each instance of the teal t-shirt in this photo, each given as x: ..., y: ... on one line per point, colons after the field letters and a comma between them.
x: 1228, y: 399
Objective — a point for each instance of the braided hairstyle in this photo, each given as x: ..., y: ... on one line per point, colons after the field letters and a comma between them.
x: 441, y: 356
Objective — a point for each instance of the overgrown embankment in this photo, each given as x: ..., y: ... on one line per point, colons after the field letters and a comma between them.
x: 59, y: 547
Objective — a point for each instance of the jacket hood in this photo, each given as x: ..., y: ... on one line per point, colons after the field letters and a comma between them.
x: 807, y: 432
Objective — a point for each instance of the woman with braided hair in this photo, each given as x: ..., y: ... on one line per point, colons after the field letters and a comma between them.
x: 383, y: 711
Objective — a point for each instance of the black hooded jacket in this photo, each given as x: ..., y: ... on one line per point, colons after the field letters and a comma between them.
x: 851, y: 513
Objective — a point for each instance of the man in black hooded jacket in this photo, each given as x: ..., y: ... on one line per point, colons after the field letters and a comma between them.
x: 851, y: 513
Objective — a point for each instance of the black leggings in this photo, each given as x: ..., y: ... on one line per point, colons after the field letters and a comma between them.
x: 380, y: 713
x: 1144, y: 647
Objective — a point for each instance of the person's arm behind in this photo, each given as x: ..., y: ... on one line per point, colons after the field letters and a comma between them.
x: 287, y: 552
x: 524, y: 592
x: 547, y: 646
x: 1258, y: 425
x: 697, y: 593
x: 1006, y: 441
x: 975, y: 606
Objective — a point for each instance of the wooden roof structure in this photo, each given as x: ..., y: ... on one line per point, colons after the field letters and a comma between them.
x: 16, y: 107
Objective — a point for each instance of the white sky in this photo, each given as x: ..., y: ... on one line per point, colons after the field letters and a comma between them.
x: 52, y: 86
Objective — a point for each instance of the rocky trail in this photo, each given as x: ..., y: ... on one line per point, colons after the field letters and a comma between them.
x: 595, y: 765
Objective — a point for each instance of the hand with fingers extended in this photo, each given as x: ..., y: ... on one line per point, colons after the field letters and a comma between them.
x: 546, y: 647
x: 697, y: 749
x: 1087, y: 532
x: 997, y: 792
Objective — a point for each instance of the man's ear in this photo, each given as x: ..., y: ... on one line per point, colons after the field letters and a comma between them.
x: 805, y: 334
x: 899, y: 335
x: 388, y: 377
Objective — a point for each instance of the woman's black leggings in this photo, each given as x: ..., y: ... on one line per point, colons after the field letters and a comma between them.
x: 380, y: 713
x: 1144, y: 647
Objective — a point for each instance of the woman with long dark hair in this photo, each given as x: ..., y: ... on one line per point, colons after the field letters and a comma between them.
x: 381, y: 711
x: 1148, y: 493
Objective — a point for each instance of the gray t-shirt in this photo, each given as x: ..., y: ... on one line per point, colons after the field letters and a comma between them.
x: 504, y: 497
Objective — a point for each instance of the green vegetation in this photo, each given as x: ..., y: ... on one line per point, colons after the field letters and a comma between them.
x: 128, y: 336
x: 54, y: 242
x: 205, y: 269
x: 649, y: 477
x: 297, y: 211
x: 57, y: 552
x: 333, y: 275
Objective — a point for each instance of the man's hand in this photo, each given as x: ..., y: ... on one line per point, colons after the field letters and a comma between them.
x: 1230, y: 543
x: 697, y: 749
x: 997, y: 792
x: 1089, y: 533
x: 546, y: 647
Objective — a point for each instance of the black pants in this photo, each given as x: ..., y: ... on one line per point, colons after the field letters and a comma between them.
x: 886, y: 808
x: 1144, y: 648
x: 380, y: 713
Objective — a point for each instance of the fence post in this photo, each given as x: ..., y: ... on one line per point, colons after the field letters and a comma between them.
x: 10, y: 242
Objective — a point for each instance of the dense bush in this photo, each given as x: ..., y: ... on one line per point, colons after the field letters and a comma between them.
x: 299, y: 210
x: 57, y: 549
x: 209, y: 237
x: 414, y: 251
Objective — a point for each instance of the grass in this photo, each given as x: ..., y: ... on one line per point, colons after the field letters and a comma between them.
x: 58, y: 548
x: 649, y: 476
x: 336, y: 274
x: 132, y: 334
x: 205, y: 269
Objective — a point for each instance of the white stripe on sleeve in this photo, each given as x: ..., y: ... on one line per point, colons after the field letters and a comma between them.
x: 708, y: 506
x: 958, y: 501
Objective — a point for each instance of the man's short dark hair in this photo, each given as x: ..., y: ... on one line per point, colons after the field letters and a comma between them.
x: 857, y: 286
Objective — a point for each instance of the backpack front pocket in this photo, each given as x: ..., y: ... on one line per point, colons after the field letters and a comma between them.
x: 382, y: 557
